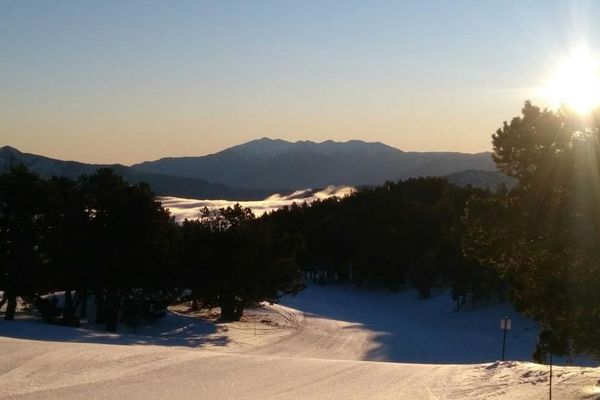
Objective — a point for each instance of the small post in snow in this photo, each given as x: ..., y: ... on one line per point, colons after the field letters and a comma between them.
x: 505, y: 325
x: 550, y: 382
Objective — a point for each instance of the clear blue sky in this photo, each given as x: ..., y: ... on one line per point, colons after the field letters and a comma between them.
x: 125, y: 81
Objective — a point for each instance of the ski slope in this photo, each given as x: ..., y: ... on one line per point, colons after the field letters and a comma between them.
x: 345, y: 323
x: 325, y: 343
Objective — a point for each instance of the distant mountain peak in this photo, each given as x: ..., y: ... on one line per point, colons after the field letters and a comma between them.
x: 273, y: 147
x: 266, y: 139
x: 9, y: 150
x: 259, y: 147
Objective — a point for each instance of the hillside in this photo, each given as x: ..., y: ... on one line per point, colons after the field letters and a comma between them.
x: 492, y: 180
x: 269, y: 163
x: 160, y: 183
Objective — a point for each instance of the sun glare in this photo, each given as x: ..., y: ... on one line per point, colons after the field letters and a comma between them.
x: 575, y: 82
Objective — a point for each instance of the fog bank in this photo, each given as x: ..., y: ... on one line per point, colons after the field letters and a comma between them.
x: 182, y: 208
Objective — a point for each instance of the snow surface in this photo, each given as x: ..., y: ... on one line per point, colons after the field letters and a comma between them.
x: 321, y: 344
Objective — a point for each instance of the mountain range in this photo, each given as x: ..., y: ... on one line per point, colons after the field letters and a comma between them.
x: 255, y: 169
x: 161, y: 184
x: 269, y: 163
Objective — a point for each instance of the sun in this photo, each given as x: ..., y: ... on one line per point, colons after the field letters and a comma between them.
x: 575, y: 83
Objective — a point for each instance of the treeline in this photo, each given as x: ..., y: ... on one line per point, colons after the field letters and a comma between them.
x: 102, y: 237
x: 400, y: 234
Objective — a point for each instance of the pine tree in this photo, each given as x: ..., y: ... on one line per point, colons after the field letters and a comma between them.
x: 543, y: 236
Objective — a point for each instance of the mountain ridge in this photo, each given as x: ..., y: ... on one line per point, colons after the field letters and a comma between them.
x: 160, y: 183
x: 265, y: 162
x: 258, y: 168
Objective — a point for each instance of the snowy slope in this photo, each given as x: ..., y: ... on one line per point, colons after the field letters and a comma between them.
x: 381, y: 326
x: 77, y: 371
x: 315, y: 353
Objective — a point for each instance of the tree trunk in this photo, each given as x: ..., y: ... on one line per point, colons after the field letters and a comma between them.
x: 100, y: 308
x: 194, y: 300
x: 76, y: 302
x: 84, y: 299
x: 238, y: 312
x: 112, y: 311
x: 11, y: 306
x: 227, y: 309
x: 68, y: 308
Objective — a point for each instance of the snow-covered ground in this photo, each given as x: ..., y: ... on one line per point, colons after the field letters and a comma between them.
x: 382, y: 326
x: 321, y: 344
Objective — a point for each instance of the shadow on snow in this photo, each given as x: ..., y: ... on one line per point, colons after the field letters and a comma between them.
x: 172, y: 330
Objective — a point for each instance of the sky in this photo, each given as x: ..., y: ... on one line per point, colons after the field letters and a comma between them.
x: 127, y: 81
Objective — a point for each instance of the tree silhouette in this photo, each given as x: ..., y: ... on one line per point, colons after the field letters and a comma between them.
x: 243, y: 260
x: 22, y: 204
x: 543, y: 236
